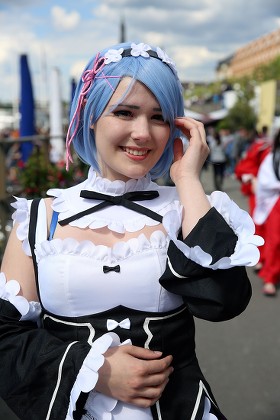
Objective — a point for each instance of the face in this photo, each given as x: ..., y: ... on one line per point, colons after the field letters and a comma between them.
x: 130, y: 137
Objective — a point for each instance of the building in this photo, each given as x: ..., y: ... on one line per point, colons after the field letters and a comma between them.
x: 252, y: 55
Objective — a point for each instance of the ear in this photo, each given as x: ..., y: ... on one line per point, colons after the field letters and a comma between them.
x: 92, y: 126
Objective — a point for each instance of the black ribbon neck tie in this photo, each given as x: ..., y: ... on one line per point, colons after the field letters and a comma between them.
x: 107, y: 269
x: 125, y: 200
x: 120, y: 200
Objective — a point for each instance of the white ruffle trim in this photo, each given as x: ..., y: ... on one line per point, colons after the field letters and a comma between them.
x: 21, y: 216
x: 120, y: 251
x: 106, y: 186
x: 246, y: 251
x: 9, y: 290
x: 206, y: 414
x: 88, y: 377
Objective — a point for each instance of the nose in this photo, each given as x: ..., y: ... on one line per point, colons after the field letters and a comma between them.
x: 141, y: 131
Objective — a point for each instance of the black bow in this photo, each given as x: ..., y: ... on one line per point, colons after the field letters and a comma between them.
x: 106, y: 269
x: 125, y: 200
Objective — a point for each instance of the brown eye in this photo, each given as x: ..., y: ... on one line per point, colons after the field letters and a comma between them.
x: 159, y: 118
x: 122, y: 113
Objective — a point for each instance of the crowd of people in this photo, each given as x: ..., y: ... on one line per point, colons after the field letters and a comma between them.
x: 253, y: 159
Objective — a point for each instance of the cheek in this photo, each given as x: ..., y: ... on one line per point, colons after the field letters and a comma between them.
x: 165, y: 137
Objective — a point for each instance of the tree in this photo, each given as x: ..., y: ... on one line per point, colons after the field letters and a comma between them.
x: 241, y: 115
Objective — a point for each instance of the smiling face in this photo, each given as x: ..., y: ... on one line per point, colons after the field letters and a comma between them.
x: 130, y: 137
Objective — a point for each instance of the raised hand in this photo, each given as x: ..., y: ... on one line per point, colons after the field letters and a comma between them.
x: 185, y: 172
x: 190, y: 163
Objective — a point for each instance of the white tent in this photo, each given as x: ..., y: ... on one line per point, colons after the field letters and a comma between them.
x: 57, y: 141
x: 194, y: 115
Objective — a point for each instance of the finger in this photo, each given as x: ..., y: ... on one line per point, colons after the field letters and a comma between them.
x: 188, y: 125
x: 150, y: 395
x: 178, y: 149
x: 156, y: 380
x: 158, y: 366
x: 142, y: 353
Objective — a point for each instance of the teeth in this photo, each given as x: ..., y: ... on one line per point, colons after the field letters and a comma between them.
x: 135, y: 152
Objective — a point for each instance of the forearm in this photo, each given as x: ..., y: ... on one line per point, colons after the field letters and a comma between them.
x: 194, y: 201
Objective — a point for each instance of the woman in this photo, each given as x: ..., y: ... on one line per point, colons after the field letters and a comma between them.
x: 104, y: 328
x: 218, y: 159
x: 267, y: 215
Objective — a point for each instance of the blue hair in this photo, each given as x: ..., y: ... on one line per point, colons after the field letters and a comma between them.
x: 156, y: 75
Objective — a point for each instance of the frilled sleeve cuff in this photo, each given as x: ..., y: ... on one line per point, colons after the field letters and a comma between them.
x: 30, y: 311
x: 88, y: 375
x: 240, y: 228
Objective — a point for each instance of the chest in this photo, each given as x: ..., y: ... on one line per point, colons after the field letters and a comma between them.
x: 93, y: 278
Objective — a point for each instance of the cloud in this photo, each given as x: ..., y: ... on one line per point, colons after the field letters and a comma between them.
x: 64, y: 21
x: 196, y: 34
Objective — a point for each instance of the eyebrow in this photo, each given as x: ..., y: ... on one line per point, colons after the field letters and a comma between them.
x: 133, y: 107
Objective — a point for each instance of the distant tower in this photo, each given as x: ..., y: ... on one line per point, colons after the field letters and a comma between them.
x: 122, y: 31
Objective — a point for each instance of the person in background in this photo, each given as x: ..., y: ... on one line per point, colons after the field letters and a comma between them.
x: 228, y: 140
x: 100, y: 282
x: 246, y: 171
x: 218, y: 159
x: 267, y: 214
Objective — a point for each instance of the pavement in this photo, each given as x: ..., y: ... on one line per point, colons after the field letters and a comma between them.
x: 240, y: 358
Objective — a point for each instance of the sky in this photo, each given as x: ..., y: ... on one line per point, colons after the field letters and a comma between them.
x: 196, y: 34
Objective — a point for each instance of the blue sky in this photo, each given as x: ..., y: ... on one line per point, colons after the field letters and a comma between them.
x: 196, y: 34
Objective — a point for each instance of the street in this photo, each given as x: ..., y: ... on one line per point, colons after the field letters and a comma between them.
x: 241, y: 357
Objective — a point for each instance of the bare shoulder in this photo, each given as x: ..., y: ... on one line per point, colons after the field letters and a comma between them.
x: 16, y: 265
x: 48, y: 203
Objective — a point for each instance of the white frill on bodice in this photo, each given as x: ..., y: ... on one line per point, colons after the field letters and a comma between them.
x: 119, y: 251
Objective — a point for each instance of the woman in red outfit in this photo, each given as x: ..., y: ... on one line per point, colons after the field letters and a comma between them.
x: 246, y: 171
x: 267, y: 214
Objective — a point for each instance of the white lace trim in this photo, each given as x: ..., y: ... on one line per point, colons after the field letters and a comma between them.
x: 9, y: 290
x: 246, y: 251
x: 88, y: 375
x: 120, y: 251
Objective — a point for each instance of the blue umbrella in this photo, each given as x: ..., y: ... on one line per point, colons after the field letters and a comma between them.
x: 26, y: 108
x: 73, y: 88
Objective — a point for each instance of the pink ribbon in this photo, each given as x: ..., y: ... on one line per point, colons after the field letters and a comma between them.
x: 88, y: 78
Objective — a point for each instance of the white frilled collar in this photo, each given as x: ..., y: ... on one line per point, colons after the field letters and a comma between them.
x: 117, y: 218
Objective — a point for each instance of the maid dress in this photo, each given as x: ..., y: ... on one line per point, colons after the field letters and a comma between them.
x: 143, y: 292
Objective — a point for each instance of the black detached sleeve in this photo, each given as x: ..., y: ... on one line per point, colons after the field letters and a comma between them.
x: 215, y: 295
x: 37, y: 370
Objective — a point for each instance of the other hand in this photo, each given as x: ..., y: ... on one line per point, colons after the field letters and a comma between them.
x: 134, y: 375
x: 190, y: 163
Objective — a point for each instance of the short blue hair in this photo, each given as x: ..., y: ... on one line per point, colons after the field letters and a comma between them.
x: 159, y: 77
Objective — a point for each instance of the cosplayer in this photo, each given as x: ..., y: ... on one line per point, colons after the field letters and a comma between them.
x: 246, y: 171
x: 267, y: 214
x: 100, y: 282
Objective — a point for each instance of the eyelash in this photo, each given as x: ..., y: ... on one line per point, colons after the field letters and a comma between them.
x: 127, y: 114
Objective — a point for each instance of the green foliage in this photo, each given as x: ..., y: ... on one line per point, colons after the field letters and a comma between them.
x: 270, y: 71
x: 38, y: 175
x: 241, y: 115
